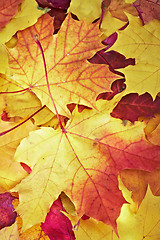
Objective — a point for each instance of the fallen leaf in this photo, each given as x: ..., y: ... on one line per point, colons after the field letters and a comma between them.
x: 152, y: 130
x: 72, y: 79
x: 10, y: 233
x: 86, y: 10
x: 118, y: 8
x: 84, y: 163
x: 27, y: 16
x: 133, y: 106
x: 7, y: 211
x: 149, y: 10
x: 110, y: 24
x: 8, y: 145
x: 116, y: 87
x: 7, y: 11
x: 3, y: 59
x: 142, y: 225
x: 17, y: 101
x: 32, y: 233
x: 142, y: 43
x: 91, y: 229
x: 63, y: 4
x: 137, y: 182
x: 57, y: 225
x: 114, y: 59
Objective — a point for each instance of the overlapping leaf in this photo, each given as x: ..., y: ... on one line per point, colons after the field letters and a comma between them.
x: 149, y: 10
x: 142, y: 43
x: 84, y: 163
x: 133, y: 106
x: 86, y: 10
x: 137, y: 182
x: 10, y: 232
x: 11, y: 173
x: 152, y: 130
x: 71, y: 77
x: 7, y: 10
x: 19, y: 102
x: 25, y: 17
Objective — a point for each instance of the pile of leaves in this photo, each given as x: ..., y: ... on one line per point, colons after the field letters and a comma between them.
x: 80, y: 119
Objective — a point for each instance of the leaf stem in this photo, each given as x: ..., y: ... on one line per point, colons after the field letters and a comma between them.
x: 48, y: 86
x: 11, y: 129
x: 19, y: 91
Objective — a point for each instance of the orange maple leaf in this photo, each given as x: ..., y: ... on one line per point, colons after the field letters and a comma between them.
x: 7, y: 10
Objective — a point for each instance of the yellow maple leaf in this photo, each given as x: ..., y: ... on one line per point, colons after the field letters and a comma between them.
x: 152, y: 130
x: 143, y: 44
x: 10, y: 232
x: 16, y: 101
x: 27, y: 15
x: 83, y: 161
x: 71, y: 78
x: 8, y: 145
x: 145, y: 224
x: 86, y: 9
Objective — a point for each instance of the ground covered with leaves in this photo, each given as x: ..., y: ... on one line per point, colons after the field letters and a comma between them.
x: 80, y: 119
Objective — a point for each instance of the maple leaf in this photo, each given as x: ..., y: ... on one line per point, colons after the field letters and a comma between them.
x: 149, y: 10
x: 9, y: 143
x: 133, y: 106
x: 27, y: 16
x: 7, y: 212
x: 83, y: 161
x: 90, y: 229
x: 63, y: 4
x: 118, y: 8
x: 54, y: 221
x: 86, y: 10
x: 116, y: 87
x: 16, y: 101
x: 7, y: 10
x: 10, y: 233
x: 142, y: 43
x: 69, y: 73
x: 152, y: 130
x: 113, y: 59
x: 137, y: 182
x: 142, y: 225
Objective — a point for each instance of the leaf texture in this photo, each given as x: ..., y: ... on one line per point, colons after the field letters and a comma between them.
x: 84, y: 163
x: 133, y: 106
x: 69, y: 73
x: 142, y: 43
x: 7, y: 10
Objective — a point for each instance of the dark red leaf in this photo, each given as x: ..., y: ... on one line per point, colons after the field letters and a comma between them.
x: 133, y: 106
x: 85, y: 217
x: 63, y: 4
x: 114, y: 59
x: 26, y: 167
x: 148, y: 10
x: 57, y: 225
x: 7, y: 212
x: 59, y: 16
x: 4, y: 116
x: 117, y: 87
x: 109, y: 41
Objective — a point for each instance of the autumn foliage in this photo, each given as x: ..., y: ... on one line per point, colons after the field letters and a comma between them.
x: 80, y: 119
